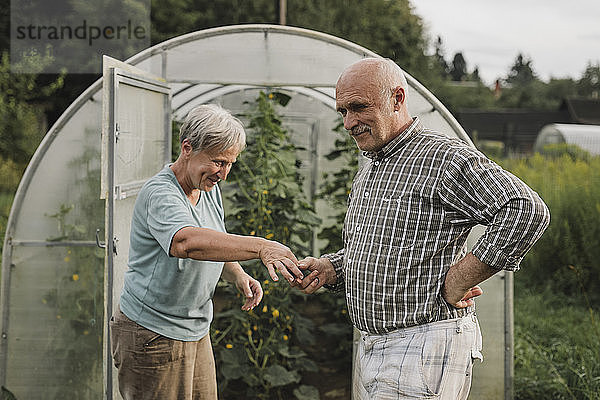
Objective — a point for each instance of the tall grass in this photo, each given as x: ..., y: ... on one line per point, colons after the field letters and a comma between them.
x: 557, y: 292
x: 557, y: 347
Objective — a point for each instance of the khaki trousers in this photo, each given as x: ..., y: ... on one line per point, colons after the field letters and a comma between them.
x: 430, y: 361
x: 153, y: 367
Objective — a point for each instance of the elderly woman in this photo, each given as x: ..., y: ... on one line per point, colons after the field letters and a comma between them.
x: 178, y: 250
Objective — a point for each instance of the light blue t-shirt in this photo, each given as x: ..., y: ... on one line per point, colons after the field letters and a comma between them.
x: 168, y: 295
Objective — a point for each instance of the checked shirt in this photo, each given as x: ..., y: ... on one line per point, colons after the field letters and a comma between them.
x: 410, y: 210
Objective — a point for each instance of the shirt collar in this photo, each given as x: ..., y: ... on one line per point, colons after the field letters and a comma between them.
x: 396, y: 143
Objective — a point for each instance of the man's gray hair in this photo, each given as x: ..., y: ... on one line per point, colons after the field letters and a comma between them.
x: 211, y: 127
x: 391, y: 77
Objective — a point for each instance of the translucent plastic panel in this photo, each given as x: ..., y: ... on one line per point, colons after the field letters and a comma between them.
x: 122, y: 227
x: 274, y: 56
x: 55, y: 323
x: 140, y: 148
x: 62, y: 200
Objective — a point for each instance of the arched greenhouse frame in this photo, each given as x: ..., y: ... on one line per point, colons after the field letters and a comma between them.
x: 65, y: 246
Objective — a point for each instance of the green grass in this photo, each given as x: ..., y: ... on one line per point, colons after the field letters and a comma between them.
x: 557, y: 346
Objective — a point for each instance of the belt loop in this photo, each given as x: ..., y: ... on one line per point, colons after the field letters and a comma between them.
x: 459, y: 326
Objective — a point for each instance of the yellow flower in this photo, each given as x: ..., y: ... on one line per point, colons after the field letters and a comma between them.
x: 266, y: 282
x: 265, y: 192
x: 285, y: 337
x: 344, y: 311
x: 271, y: 95
x: 217, y: 332
x: 275, y: 313
x: 255, y: 327
x: 75, y: 277
x: 270, y: 235
x: 67, y: 259
x: 249, y: 332
x: 266, y: 292
x: 287, y: 317
x: 252, y: 233
x: 265, y: 309
x: 229, y: 346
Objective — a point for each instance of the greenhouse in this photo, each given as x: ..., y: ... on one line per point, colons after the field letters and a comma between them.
x: 69, y: 222
x: 586, y: 137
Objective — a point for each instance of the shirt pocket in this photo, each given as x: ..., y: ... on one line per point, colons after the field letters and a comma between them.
x: 397, y: 221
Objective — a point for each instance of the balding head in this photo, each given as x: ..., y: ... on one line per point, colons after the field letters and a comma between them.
x: 371, y: 96
x: 385, y: 74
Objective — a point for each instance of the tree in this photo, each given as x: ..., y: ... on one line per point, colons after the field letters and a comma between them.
x: 21, y: 119
x: 388, y: 28
x: 521, y: 73
x: 589, y: 84
x: 458, y: 70
x: 439, y: 58
x: 474, y: 76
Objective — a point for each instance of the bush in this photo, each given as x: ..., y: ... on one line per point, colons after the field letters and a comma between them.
x: 557, y: 334
x: 569, y: 251
x: 259, y: 353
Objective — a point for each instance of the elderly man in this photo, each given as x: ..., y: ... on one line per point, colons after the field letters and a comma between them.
x: 179, y: 249
x: 409, y: 283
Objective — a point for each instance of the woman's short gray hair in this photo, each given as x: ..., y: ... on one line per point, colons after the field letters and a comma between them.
x: 211, y: 127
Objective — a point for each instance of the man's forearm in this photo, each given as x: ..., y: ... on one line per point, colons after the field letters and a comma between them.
x: 464, y: 275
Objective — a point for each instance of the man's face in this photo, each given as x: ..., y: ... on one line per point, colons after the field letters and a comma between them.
x: 368, y: 115
x: 207, y: 167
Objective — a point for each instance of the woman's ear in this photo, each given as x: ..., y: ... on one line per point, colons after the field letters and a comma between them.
x: 186, y: 148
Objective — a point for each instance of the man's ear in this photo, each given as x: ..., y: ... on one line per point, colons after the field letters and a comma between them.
x: 399, y: 97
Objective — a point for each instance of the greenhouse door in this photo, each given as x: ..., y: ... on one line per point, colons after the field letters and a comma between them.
x: 136, y: 144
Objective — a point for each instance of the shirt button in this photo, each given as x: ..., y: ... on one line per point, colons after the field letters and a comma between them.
x: 366, y: 194
x: 357, y: 228
x: 376, y: 163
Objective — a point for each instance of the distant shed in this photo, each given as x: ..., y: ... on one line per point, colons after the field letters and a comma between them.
x: 586, y: 137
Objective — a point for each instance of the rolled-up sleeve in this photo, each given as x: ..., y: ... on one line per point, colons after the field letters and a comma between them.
x: 514, y: 214
x: 337, y: 260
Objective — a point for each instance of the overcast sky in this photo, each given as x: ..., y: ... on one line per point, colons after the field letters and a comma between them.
x: 560, y: 37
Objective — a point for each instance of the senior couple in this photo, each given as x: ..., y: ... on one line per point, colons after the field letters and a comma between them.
x: 408, y: 281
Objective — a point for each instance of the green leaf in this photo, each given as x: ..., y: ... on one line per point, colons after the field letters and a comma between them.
x: 231, y: 371
x: 335, y: 329
x: 304, y: 364
x: 277, y: 375
x: 233, y: 356
x: 306, y: 392
x: 291, y: 353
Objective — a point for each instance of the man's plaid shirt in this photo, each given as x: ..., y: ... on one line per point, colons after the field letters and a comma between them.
x: 410, y: 210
